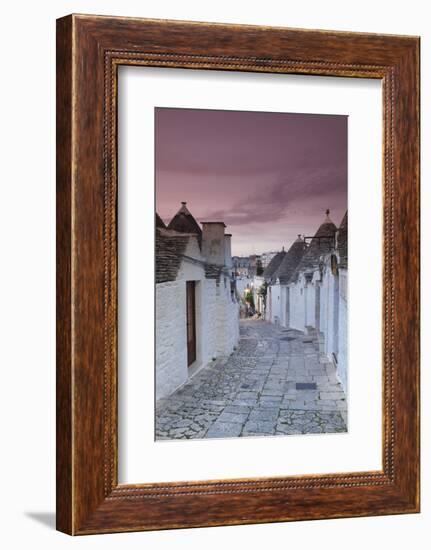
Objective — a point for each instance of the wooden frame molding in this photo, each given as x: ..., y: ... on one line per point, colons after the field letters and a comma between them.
x: 89, y: 51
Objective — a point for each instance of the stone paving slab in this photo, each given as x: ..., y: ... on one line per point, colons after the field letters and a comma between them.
x: 253, y: 392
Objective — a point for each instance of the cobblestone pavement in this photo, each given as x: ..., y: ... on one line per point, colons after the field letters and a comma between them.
x: 253, y: 392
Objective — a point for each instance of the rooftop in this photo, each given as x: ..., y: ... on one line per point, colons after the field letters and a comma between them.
x: 322, y: 243
x: 290, y: 261
x: 273, y: 265
x: 184, y: 222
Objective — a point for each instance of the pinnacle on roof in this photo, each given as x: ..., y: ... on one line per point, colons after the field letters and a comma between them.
x: 183, y: 209
x: 326, y: 229
x: 321, y: 243
x: 327, y: 219
x: 184, y: 222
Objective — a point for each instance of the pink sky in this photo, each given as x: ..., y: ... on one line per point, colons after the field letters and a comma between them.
x: 268, y: 176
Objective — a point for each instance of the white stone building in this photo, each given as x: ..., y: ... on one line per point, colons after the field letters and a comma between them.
x: 333, y: 319
x: 196, y: 311
x: 272, y: 300
x: 312, y: 296
x: 279, y: 297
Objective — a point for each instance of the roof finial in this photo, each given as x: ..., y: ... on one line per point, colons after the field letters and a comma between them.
x: 282, y: 248
x: 328, y: 219
x: 184, y: 203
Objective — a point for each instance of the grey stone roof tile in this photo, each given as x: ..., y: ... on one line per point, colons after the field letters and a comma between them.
x: 159, y: 222
x: 290, y: 262
x: 342, y: 242
x: 273, y: 265
x: 322, y: 243
x: 169, y: 251
x: 184, y: 222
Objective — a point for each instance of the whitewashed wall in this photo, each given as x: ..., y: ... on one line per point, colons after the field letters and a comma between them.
x: 283, y: 306
x: 205, y: 308
x: 310, y: 304
x: 343, y: 333
x: 171, y: 337
x: 274, y: 312
x: 227, y: 319
x: 268, y: 303
x: 297, y: 305
x: 217, y: 323
x: 329, y: 300
x: 324, y: 300
x: 330, y: 347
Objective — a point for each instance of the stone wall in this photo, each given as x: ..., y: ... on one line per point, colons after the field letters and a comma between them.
x: 227, y: 319
x: 310, y: 304
x: 217, y: 322
x: 343, y: 333
x: 171, y: 351
x: 332, y: 321
x: 282, y: 307
x: 276, y: 304
x: 297, y: 305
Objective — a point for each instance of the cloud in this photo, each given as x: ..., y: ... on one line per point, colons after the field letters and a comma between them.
x: 271, y: 201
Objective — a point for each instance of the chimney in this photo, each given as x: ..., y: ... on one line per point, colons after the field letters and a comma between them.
x: 228, y: 250
x: 213, y: 242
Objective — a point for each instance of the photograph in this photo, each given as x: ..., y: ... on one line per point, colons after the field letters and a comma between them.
x: 211, y: 303
x: 251, y: 268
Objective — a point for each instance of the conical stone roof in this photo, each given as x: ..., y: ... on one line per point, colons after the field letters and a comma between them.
x: 290, y: 261
x: 322, y: 243
x: 342, y: 242
x: 169, y: 251
x: 273, y: 265
x: 184, y: 222
x: 159, y: 222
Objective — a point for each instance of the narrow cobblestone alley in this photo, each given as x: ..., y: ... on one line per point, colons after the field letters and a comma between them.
x: 275, y: 383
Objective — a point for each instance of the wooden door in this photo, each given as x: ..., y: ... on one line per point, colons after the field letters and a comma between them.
x: 191, y: 321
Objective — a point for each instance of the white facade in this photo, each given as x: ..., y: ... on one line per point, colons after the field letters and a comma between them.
x: 217, y: 321
x: 343, y: 333
x: 296, y: 306
x: 273, y: 304
x: 316, y: 300
x: 333, y: 318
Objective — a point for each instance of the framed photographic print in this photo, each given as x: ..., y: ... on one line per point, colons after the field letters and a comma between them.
x: 237, y: 274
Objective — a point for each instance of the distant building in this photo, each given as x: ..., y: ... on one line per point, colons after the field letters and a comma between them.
x: 241, y: 265
x: 196, y: 310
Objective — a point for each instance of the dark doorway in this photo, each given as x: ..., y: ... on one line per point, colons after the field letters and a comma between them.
x: 191, y: 321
